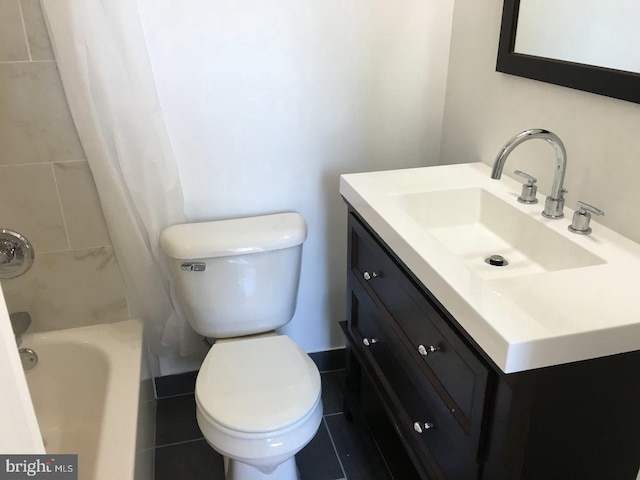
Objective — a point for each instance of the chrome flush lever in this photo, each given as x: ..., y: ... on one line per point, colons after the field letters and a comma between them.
x: 194, y: 267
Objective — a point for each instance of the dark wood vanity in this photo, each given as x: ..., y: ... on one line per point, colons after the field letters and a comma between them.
x: 439, y: 408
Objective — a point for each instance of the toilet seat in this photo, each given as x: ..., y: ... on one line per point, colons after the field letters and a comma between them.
x: 257, y: 385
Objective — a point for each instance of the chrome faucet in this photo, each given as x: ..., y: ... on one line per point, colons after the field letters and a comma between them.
x: 20, y: 322
x: 554, y: 203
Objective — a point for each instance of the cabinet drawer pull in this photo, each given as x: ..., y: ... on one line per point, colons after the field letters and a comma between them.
x: 368, y: 341
x: 421, y: 427
x: 368, y: 276
x: 424, y: 351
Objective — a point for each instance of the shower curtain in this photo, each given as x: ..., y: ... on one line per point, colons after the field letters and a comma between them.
x: 108, y: 80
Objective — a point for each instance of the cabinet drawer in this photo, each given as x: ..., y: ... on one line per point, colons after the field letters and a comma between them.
x: 458, y: 375
x: 423, y: 418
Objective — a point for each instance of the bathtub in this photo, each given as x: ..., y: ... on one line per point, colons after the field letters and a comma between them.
x: 87, y: 395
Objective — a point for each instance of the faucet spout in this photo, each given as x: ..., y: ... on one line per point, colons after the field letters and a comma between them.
x: 20, y: 322
x: 555, y: 201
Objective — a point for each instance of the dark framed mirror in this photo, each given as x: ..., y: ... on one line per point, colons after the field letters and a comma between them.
x: 621, y: 84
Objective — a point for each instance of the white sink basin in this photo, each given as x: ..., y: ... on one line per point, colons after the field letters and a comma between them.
x: 473, y: 224
x: 562, y: 297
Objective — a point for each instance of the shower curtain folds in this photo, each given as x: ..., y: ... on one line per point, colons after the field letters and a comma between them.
x: 107, y: 76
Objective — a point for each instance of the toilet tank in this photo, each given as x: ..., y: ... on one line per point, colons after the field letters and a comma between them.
x: 239, y: 276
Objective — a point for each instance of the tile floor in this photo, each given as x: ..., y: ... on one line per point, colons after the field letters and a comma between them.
x: 340, y: 450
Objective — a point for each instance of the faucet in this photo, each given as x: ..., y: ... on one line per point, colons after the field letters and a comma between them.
x: 20, y: 321
x: 554, y: 203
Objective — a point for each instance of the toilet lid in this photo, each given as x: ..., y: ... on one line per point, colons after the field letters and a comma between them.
x: 258, y: 384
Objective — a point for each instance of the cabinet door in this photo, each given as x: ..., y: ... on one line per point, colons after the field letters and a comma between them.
x: 420, y: 416
x: 440, y: 406
x: 456, y: 371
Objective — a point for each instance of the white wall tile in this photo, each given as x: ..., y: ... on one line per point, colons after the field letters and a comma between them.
x: 29, y: 205
x: 82, y: 211
x: 13, y: 42
x: 69, y: 289
x: 35, y: 122
x: 37, y: 35
x: 47, y: 191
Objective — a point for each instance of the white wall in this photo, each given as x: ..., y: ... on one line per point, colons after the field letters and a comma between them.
x: 484, y: 109
x: 268, y: 102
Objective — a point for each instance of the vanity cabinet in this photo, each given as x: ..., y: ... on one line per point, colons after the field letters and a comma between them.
x: 439, y: 408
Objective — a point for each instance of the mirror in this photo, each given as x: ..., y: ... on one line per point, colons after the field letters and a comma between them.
x: 588, y: 49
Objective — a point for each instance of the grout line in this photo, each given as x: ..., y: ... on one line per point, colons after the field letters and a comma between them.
x: 333, y: 370
x: 180, y: 443
x: 29, y: 164
x: 64, y: 219
x: 332, y: 414
x: 335, y: 450
x: 69, y: 161
x: 176, y: 395
x: 24, y: 30
x: 4, y: 62
x: 66, y: 250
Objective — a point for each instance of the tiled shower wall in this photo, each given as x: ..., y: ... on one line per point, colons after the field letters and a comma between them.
x: 47, y: 192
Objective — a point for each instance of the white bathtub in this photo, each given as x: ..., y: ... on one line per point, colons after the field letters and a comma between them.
x: 86, y: 392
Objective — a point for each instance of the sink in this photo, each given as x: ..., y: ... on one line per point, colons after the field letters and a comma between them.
x: 474, y: 224
x: 561, y: 298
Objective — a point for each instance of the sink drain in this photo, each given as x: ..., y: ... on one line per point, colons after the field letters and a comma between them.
x: 496, y: 260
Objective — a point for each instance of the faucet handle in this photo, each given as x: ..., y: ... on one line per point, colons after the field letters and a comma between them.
x: 589, y: 208
x: 528, y: 194
x: 582, y: 217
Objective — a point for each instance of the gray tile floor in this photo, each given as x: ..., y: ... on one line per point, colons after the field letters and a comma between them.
x: 340, y: 450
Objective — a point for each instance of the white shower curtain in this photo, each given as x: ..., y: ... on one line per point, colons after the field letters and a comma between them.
x: 108, y: 80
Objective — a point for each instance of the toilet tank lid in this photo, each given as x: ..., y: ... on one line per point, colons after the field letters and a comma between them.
x: 236, y: 236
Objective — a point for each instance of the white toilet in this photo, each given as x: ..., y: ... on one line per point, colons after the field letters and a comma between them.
x: 257, y: 393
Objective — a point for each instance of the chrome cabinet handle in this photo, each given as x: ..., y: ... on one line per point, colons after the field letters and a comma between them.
x: 422, y: 426
x: 368, y: 341
x: 368, y: 276
x: 424, y: 351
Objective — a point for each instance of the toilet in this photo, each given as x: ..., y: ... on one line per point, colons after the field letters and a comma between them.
x: 257, y: 392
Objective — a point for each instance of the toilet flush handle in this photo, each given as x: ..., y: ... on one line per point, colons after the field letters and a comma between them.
x: 194, y: 267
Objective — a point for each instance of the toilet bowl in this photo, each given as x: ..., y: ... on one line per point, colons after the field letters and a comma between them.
x: 258, y: 403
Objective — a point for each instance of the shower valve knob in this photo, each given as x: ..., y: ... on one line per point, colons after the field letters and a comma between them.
x: 16, y: 254
x: 6, y: 253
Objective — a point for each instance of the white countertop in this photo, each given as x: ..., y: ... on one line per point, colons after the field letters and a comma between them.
x: 522, y: 321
